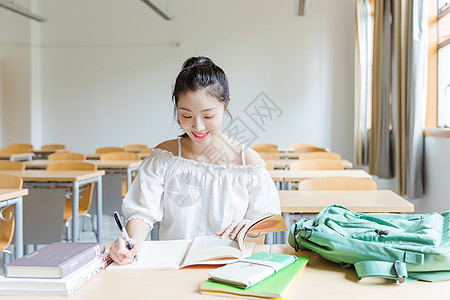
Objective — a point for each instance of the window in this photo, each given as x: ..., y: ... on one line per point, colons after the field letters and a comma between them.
x: 443, y: 76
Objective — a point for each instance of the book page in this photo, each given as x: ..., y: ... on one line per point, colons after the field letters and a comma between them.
x: 158, y: 255
x: 267, y: 222
x: 206, y: 249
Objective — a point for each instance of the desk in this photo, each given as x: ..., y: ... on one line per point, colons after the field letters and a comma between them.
x: 123, y: 167
x: 321, y: 279
x: 284, y: 176
x: 17, y: 156
x: 285, y: 163
x: 14, y: 197
x: 97, y: 156
x: 378, y: 201
x: 44, y: 153
x: 54, y: 179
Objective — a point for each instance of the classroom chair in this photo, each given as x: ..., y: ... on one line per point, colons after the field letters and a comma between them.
x: 29, y: 147
x: 135, y: 147
x: 292, y: 147
x: 265, y: 148
x: 53, y: 147
x: 109, y: 149
x: 337, y: 184
x: 86, y: 192
x: 307, y: 150
x: 121, y: 156
x: 66, y: 156
x: 320, y: 155
x: 6, y: 165
x: 269, y: 155
x: 148, y: 150
x: 15, y: 150
x: 269, y: 166
x: 317, y: 164
x: 7, y: 221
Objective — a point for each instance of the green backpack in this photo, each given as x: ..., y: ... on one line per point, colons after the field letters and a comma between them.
x: 400, y: 247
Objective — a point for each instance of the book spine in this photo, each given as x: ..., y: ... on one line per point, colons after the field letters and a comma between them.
x: 78, y: 281
x: 81, y: 260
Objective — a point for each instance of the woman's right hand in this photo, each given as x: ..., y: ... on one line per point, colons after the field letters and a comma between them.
x: 120, y: 253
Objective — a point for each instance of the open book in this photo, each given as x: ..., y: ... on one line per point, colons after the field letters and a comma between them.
x: 203, y: 250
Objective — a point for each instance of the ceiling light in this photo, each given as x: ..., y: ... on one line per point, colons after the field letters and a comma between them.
x: 159, y: 9
x: 20, y: 10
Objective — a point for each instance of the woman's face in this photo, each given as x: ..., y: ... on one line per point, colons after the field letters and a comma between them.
x: 201, y: 116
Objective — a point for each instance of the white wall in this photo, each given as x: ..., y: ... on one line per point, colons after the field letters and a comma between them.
x: 108, y: 68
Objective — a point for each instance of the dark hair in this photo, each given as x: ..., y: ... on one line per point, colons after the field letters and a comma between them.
x: 200, y: 73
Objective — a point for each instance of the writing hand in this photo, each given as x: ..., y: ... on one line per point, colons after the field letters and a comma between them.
x: 120, y: 253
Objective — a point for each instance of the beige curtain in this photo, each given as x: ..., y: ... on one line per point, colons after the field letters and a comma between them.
x: 363, y: 45
x: 399, y: 93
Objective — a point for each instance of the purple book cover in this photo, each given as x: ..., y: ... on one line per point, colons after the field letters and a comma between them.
x: 66, y: 256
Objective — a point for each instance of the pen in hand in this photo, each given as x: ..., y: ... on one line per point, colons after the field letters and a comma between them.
x: 124, y: 233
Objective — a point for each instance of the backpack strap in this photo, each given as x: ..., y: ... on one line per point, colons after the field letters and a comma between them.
x: 391, y: 270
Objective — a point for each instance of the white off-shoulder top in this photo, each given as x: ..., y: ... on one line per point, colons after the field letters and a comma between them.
x: 191, y: 199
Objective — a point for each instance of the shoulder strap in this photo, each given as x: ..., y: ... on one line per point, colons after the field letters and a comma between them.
x: 243, y: 154
x: 179, y: 146
x: 390, y: 270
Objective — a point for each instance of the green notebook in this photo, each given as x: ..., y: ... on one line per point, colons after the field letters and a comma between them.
x: 274, y: 287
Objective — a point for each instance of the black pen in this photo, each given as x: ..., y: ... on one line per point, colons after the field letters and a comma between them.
x: 124, y: 233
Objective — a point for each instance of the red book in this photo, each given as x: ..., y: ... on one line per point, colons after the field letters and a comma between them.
x: 55, y: 260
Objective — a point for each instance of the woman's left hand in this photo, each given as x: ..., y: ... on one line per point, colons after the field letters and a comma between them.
x: 233, y: 230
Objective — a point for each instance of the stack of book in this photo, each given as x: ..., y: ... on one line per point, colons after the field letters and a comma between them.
x: 262, y: 275
x: 54, y: 270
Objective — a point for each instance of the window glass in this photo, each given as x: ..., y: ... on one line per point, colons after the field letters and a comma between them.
x: 444, y: 86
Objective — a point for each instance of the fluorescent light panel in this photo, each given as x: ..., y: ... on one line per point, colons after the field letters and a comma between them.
x: 159, y: 9
x: 20, y: 10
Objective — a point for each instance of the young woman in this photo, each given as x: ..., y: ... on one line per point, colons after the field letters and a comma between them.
x: 202, y: 183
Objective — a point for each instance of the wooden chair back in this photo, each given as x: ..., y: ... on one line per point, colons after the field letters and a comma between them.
x: 269, y: 166
x: 7, y: 226
x: 53, y: 147
x: 307, y: 150
x: 15, y: 150
x: 265, y: 148
x: 337, y: 184
x: 109, y: 149
x: 29, y: 147
x: 139, y: 147
x: 86, y: 190
x: 148, y: 150
x: 269, y: 155
x: 12, y: 165
x: 320, y: 155
x: 120, y: 156
x: 317, y: 164
x: 66, y: 156
x: 292, y: 147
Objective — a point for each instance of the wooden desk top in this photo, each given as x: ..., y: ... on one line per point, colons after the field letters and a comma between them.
x: 282, y: 163
x: 321, y: 279
x: 50, y: 151
x: 298, y: 175
x: 15, y: 155
x: 57, y: 176
x: 6, y: 194
x: 97, y: 156
x: 379, y: 201
x: 113, y: 164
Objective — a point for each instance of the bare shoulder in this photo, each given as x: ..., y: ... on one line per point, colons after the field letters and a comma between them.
x: 252, y: 157
x: 169, y: 145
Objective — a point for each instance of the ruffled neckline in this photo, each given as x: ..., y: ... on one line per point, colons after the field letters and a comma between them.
x: 185, y: 163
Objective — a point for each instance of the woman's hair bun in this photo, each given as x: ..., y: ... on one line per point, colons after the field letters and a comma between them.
x: 196, y: 61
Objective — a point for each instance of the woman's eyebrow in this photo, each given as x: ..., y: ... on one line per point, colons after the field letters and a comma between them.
x: 207, y: 109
